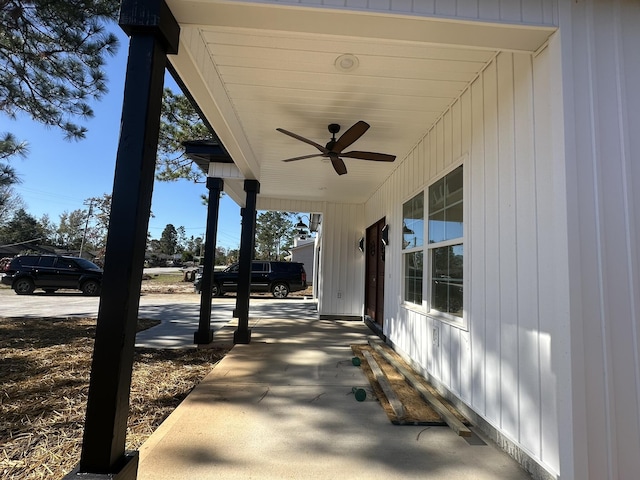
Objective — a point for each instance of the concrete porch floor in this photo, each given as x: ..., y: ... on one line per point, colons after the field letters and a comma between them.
x: 282, y: 407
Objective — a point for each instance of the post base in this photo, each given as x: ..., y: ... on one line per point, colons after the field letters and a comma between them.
x: 203, y: 338
x: 128, y: 470
x: 242, y: 336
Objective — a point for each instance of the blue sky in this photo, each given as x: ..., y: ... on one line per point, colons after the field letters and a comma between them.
x: 58, y: 175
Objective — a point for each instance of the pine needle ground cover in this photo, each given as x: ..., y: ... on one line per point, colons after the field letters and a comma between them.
x: 44, y: 379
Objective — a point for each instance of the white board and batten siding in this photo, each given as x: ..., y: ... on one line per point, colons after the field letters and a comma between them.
x: 538, y: 12
x: 601, y: 45
x: 341, y: 264
x: 499, y: 364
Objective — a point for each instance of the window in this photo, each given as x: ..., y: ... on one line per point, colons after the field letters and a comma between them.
x: 412, y: 248
x: 445, y: 247
x: 47, y: 261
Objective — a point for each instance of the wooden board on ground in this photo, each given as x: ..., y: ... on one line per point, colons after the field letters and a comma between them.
x: 392, y: 398
x: 416, y: 410
x: 450, y: 417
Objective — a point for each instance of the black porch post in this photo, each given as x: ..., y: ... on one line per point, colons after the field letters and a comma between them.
x: 154, y: 33
x: 247, y: 242
x: 204, y: 334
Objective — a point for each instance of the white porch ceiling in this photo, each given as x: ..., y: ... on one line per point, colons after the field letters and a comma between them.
x: 253, y: 68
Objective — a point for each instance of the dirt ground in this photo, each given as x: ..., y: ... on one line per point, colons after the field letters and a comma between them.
x: 44, y: 379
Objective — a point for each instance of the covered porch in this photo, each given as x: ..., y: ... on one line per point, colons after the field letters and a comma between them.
x: 283, y: 407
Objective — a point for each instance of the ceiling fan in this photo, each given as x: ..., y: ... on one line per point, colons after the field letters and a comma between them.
x: 333, y: 149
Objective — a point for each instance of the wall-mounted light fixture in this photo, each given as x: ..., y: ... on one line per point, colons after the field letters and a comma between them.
x: 406, y: 230
x: 385, y: 235
x: 301, y: 224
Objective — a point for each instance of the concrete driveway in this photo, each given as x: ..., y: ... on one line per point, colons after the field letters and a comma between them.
x: 179, y: 313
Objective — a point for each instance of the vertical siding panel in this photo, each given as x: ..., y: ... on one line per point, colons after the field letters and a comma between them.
x: 465, y: 113
x: 511, y: 11
x: 593, y: 458
x: 380, y: 4
x: 444, y: 351
x: 620, y: 317
x: 456, y: 132
x: 411, y: 177
x: 492, y: 247
x: 532, y: 12
x: 508, y: 246
x: 415, y: 159
x: 466, y: 365
x: 431, y: 155
x: 527, y: 259
x: 445, y: 7
x: 421, y: 162
x: 425, y: 6
x: 467, y: 9
x: 550, y: 12
x: 447, y: 138
x: 350, y: 291
x: 439, y: 140
x: 357, y: 260
x: 401, y: 5
x: 476, y: 248
x: 547, y: 198
x: 328, y: 266
x: 631, y: 99
x: 406, y: 175
x: 489, y: 9
x: 455, y: 360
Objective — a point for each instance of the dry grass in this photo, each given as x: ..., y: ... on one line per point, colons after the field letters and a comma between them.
x: 44, y: 376
x: 166, y: 283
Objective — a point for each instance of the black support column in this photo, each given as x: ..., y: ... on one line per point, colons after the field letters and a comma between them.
x: 154, y: 33
x: 247, y: 243
x: 204, y: 334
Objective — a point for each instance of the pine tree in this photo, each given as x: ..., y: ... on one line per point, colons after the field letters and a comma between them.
x: 274, y: 235
x: 169, y: 240
x: 52, y: 54
x: 179, y: 122
x: 22, y: 228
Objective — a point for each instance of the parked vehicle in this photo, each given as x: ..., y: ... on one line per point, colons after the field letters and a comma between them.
x: 25, y: 273
x: 279, y: 278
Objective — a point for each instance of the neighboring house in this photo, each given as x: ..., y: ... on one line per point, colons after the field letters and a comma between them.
x: 15, y: 250
x: 303, y: 251
x: 500, y: 250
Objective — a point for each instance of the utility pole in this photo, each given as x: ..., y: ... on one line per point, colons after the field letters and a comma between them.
x: 86, y: 226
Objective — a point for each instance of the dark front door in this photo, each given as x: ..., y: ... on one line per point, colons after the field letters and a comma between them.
x: 374, y: 293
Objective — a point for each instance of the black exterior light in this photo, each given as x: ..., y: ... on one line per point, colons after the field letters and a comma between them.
x: 301, y: 225
x: 385, y: 235
x: 406, y: 230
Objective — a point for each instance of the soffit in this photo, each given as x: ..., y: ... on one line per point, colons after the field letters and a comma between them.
x: 254, y: 68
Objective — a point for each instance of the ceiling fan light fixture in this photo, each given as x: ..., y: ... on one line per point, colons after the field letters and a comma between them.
x: 347, y: 62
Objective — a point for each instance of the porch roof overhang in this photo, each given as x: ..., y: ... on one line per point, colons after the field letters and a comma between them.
x: 253, y: 68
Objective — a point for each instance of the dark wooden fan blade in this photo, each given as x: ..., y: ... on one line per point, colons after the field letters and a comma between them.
x: 350, y: 136
x: 338, y: 164
x: 303, y: 157
x: 376, y: 157
x: 322, y: 148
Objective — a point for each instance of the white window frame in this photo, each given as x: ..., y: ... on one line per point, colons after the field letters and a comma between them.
x: 421, y: 248
x: 460, y: 322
